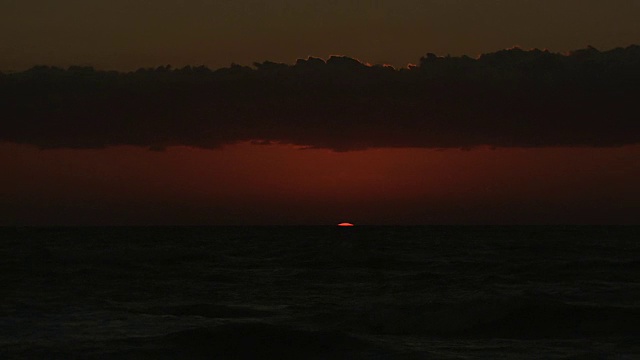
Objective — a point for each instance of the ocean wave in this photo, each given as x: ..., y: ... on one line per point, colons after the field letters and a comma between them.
x: 261, y: 341
x: 500, y: 318
x: 208, y: 311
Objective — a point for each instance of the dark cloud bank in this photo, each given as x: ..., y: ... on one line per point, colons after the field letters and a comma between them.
x: 511, y: 98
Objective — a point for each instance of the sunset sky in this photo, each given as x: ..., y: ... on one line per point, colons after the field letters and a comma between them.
x: 127, y: 34
x: 364, y: 170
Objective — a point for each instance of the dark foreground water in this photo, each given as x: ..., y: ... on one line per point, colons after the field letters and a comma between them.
x: 320, y: 293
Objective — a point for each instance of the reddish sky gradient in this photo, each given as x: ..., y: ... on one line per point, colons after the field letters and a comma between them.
x: 253, y: 184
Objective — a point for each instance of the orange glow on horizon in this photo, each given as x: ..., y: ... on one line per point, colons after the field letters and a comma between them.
x: 245, y: 184
x: 345, y: 224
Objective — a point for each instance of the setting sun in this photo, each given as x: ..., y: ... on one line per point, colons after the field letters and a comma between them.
x: 345, y: 224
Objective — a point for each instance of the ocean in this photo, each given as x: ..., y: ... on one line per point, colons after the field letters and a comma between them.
x: 326, y: 292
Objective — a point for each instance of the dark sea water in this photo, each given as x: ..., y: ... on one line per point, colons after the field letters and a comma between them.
x: 320, y: 293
